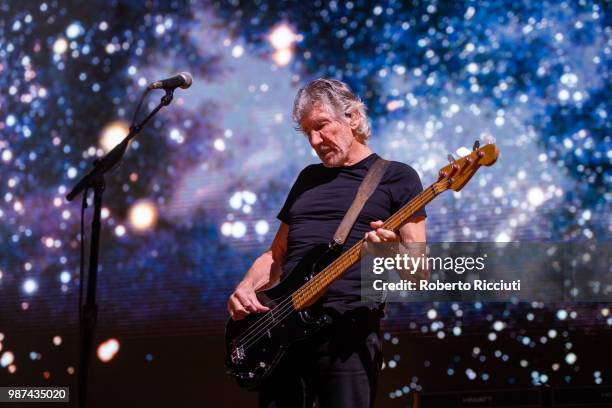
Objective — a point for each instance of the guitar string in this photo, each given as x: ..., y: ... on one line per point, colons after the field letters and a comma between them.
x: 284, y: 306
x: 259, y: 327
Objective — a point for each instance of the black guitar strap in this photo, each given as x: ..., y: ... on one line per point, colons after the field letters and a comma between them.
x: 367, y: 187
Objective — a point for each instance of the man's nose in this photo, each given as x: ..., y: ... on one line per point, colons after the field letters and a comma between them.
x: 315, y: 138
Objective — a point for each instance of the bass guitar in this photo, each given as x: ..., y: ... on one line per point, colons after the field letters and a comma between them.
x: 256, y: 344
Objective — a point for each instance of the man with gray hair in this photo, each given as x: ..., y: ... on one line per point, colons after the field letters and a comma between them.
x: 338, y: 367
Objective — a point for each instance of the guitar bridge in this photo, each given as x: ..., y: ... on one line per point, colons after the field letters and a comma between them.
x: 238, y: 354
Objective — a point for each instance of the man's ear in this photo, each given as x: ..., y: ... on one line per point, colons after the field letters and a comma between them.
x: 354, y: 118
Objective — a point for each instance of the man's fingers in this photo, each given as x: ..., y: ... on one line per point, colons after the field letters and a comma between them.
x: 236, y: 310
x: 247, y: 302
x: 381, y: 235
x: 372, y: 237
x: 257, y: 305
x: 243, y: 301
x: 250, y: 306
x: 376, y: 224
x: 386, y: 235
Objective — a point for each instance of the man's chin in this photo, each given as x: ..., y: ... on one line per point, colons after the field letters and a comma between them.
x: 330, y: 160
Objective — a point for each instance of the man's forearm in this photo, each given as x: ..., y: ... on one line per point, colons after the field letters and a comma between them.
x: 416, y: 251
x: 264, y: 272
x: 413, y: 244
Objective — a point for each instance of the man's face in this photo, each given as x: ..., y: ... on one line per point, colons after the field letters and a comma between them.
x: 331, y: 138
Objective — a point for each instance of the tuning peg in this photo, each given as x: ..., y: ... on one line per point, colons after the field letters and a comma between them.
x: 476, y: 145
x: 452, y: 161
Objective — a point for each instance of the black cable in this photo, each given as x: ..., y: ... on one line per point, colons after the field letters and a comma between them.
x: 82, y: 266
x: 132, y: 128
x: 144, y: 94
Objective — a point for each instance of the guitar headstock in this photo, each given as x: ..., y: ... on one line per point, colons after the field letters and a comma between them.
x: 458, y: 172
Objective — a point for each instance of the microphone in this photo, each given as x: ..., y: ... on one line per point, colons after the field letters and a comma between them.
x: 182, y: 80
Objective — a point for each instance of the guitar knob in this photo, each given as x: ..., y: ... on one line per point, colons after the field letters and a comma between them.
x: 325, y: 320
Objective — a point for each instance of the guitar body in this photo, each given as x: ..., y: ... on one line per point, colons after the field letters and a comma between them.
x: 256, y: 344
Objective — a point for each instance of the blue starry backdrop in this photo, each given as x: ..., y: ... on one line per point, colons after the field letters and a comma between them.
x: 195, y: 200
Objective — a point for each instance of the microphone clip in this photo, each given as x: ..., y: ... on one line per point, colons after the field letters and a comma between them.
x: 167, y: 98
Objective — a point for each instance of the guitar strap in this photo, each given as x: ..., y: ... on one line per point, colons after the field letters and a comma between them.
x: 367, y: 187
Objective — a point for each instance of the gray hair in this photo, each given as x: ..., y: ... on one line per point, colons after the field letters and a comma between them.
x: 334, y: 94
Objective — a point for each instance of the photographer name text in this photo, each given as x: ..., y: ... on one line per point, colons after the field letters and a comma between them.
x: 436, y: 285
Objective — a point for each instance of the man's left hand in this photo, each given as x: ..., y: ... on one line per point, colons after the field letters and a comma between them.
x: 380, y: 234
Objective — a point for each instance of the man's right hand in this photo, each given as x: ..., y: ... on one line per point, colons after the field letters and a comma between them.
x: 244, y: 301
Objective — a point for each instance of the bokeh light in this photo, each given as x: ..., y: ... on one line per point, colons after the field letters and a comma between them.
x: 143, y: 215
x: 107, y: 350
x: 113, y: 134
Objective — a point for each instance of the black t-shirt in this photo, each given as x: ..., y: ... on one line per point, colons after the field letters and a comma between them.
x: 317, y: 203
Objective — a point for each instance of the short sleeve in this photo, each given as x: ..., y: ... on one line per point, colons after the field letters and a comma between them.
x: 297, y: 188
x: 405, y: 184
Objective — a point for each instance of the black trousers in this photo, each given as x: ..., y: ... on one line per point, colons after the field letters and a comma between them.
x: 338, y: 367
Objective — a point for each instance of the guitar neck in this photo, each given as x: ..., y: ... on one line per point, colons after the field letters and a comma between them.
x: 311, y: 291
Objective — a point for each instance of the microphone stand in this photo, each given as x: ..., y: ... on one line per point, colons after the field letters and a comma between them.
x: 88, y: 312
